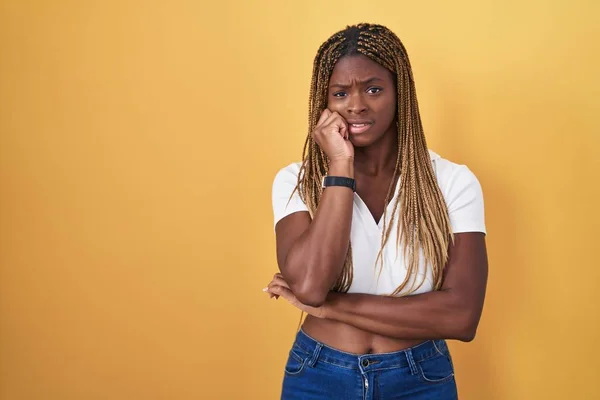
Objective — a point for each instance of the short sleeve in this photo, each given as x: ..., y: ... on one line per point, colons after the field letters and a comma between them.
x: 283, y: 186
x: 465, y: 202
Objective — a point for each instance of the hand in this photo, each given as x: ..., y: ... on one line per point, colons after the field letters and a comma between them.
x: 279, y: 287
x: 332, y: 135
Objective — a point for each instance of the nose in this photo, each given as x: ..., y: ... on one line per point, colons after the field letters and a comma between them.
x: 356, y: 105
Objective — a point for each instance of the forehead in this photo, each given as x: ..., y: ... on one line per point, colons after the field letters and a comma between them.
x: 358, y: 68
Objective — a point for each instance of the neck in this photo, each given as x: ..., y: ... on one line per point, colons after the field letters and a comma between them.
x: 380, y: 157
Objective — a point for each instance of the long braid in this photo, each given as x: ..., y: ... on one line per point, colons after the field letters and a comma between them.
x: 423, y: 224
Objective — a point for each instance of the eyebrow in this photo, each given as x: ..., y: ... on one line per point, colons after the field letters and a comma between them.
x: 365, y: 82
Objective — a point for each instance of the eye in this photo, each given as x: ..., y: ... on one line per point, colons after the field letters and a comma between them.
x: 374, y: 90
x: 339, y: 94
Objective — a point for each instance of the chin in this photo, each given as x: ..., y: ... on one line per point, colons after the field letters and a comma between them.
x: 363, y: 140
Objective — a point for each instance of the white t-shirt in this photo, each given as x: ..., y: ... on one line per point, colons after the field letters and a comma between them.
x: 464, y: 198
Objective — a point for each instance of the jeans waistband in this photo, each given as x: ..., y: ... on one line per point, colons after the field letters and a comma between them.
x: 317, y: 351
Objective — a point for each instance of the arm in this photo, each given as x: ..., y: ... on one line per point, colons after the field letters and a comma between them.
x: 311, y: 254
x: 453, y: 312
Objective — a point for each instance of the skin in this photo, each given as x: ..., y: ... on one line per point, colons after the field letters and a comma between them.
x: 310, y: 255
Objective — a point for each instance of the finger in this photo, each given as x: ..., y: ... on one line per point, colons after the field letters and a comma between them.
x: 271, y: 295
x: 344, y: 130
x: 279, y: 281
x: 279, y: 275
x: 339, y: 123
x: 332, y: 117
x: 324, y: 115
x: 283, y: 292
x: 344, y: 125
x: 335, y: 118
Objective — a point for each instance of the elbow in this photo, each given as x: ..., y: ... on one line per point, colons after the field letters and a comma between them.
x: 309, y: 289
x: 464, y: 327
x: 311, y: 296
x: 313, y: 302
x: 310, y: 293
x: 466, y: 335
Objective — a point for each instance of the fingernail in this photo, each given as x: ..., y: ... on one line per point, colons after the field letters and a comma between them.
x: 265, y: 289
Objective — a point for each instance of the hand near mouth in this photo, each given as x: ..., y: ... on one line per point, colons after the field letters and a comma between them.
x: 332, y: 134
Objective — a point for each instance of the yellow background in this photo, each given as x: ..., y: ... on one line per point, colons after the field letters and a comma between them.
x: 138, y: 143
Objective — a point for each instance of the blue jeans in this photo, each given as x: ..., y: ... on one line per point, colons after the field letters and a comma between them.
x: 315, y: 371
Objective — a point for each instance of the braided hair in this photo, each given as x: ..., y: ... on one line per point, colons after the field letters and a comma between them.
x: 423, y: 221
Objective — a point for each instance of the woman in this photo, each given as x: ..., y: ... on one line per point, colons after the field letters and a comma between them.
x: 379, y: 240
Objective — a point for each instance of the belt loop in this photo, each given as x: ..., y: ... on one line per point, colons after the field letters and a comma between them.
x: 315, y: 355
x: 411, y: 362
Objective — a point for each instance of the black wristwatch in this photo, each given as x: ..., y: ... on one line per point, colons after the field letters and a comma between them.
x: 339, y: 181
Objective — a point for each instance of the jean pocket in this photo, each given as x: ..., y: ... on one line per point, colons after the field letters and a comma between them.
x: 437, y: 369
x: 296, y: 360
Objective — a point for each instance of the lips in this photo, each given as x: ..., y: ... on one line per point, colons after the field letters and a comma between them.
x: 358, y: 127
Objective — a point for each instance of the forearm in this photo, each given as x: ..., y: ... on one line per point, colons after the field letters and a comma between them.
x: 317, y: 257
x: 433, y: 315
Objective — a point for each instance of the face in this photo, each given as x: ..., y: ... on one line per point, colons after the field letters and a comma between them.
x: 364, y: 93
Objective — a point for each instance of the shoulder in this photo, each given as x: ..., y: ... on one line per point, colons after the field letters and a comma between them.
x: 292, y: 170
x: 287, y: 175
x: 463, y: 195
x: 285, y: 197
x: 451, y: 174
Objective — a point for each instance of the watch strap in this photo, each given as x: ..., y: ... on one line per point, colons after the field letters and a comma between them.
x: 339, y: 181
